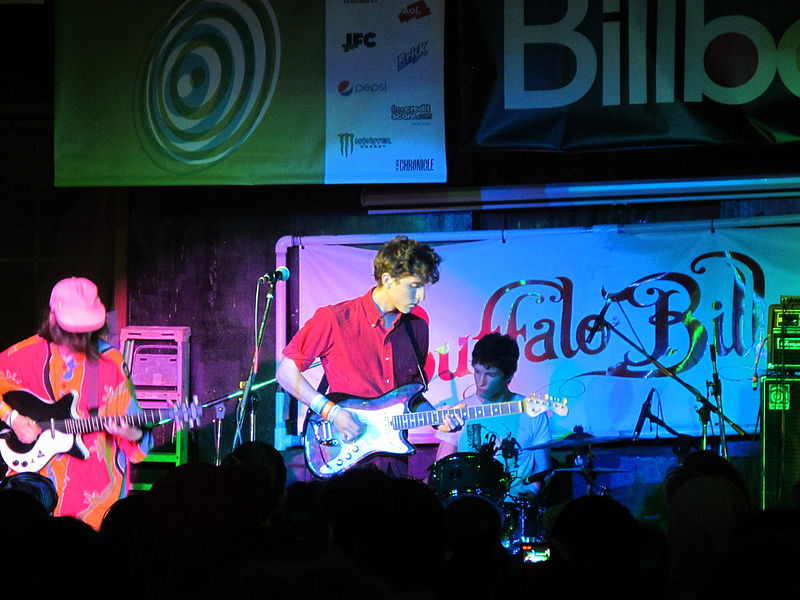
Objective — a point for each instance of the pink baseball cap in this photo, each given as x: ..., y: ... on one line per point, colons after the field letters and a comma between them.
x: 76, y: 307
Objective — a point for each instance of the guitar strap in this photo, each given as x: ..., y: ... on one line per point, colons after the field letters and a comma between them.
x: 417, y: 353
x: 91, y: 368
x: 322, y: 388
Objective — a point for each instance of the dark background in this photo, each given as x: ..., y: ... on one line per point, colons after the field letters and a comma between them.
x: 191, y: 256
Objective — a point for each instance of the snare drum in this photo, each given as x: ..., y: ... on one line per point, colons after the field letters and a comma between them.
x: 468, y: 474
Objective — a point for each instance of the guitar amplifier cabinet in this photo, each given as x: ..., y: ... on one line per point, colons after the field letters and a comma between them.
x: 158, y: 360
x: 783, y: 346
x: 780, y: 440
x: 783, y: 349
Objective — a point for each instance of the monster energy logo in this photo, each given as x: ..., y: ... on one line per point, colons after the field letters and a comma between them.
x: 346, y: 141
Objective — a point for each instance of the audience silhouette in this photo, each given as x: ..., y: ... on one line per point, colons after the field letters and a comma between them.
x: 238, y: 530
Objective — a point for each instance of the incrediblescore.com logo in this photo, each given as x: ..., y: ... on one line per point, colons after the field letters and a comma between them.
x: 730, y: 59
x: 412, y: 112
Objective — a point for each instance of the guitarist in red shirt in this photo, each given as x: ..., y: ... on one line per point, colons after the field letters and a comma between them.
x: 369, y: 345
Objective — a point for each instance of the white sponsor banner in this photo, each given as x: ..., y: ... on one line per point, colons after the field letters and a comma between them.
x: 674, y: 292
x: 384, y: 92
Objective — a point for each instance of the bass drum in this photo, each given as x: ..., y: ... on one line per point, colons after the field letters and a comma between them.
x: 469, y: 474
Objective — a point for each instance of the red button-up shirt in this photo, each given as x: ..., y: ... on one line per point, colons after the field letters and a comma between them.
x: 359, y: 355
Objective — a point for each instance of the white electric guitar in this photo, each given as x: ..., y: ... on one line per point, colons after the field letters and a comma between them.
x: 61, y: 430
x: 386, y: 420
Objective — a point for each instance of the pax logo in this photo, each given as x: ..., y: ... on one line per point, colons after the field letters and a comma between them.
x: 730, y: 59
x: 354, y: 40
x: 415, y: 10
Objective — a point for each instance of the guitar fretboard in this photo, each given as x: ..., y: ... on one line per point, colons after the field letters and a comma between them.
x: 434, y: 418
x: 147, y: 417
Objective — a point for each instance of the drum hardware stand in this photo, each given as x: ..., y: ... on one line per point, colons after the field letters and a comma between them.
x: 705, y: 404
x: 219, y: 416
x: 585, y: 464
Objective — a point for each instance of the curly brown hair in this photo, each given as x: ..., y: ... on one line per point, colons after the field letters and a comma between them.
x: 402, y: 257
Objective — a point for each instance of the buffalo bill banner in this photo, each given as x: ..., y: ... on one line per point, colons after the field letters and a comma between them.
x: 592, y: 74
x: 674, y: 294
x: 226, y: 92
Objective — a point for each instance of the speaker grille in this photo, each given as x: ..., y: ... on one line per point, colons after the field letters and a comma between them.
x: 780, y: 440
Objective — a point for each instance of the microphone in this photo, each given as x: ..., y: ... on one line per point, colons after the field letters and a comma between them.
x: 643, y: 414
x: 717, y: 387
x: 537, y: 477
x: 279, y: 274
x: 599, y: 321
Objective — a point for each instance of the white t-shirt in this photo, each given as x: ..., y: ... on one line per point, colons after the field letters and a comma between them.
x: 511, y: 435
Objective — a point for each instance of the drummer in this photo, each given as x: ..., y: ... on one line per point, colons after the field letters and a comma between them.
x: 494, y: 362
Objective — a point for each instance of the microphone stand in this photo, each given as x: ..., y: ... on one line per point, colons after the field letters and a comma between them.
x: 661, y: 423
x: 716, y: 388
x: 219, y: 408
x: 705, y: 404
x: 246, y: 402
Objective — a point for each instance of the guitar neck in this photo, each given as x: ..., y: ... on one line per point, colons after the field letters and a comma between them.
x: 435, y: 418
x: 146, y: 418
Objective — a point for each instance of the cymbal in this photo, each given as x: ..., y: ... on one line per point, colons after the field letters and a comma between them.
x: 574, y: 440
x: 589, y: 470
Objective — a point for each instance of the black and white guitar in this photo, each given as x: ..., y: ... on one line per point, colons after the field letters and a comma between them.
x: 386, y: 420
x: 61, y: 429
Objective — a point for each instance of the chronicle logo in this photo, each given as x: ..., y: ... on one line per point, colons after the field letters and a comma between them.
x: 354, y: 40
x: 348, y: 142
x: 345, y: 88
x: 413, y: 164
x: 415, y: 10
x: 412, y: 112
x: 413, y: 55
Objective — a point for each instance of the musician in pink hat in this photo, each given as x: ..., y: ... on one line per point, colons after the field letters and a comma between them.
x: 68, y: 380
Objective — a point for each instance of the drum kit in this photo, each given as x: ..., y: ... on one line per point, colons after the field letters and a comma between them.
x: 480, y: 474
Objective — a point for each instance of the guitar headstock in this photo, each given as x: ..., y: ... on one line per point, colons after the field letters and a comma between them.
x: 188, y: 413
x: 535, y: 405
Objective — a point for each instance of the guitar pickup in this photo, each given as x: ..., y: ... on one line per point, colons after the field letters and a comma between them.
x: 324, y: 434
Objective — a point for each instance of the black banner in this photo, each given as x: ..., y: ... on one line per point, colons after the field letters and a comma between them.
x: 617, y: 74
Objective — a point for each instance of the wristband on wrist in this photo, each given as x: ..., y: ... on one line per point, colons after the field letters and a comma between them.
x: 326, y: 409
x: 318, y: 403
x: 330, y: 414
